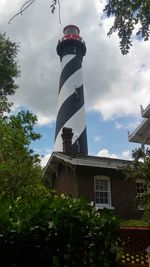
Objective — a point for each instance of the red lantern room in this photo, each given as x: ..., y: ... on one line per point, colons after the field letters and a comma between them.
x: 71, y: 32
x: 71, y: 29
x: 71, y: 42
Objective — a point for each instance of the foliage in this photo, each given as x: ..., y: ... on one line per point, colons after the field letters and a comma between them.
x: 129, y: 16
x: 5, y: 106
x: 8, y: 66
x: 53, y: 6
x: 9, y: 71
x: 140, y: 169
x: 55, y: 231
x: 18, y: 165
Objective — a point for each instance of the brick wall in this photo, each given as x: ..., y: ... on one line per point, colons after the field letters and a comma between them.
x: 79, y: 181
x: 123, y: 193
x: 65, y: 181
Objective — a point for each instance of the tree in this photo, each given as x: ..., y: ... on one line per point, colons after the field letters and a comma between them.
x: 141, y: 165
x: 128, y: 16
x: 9, y: 70
x: 140, y: 169
x: 19, y: 166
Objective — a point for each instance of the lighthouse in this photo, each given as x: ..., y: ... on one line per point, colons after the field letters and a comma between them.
x: 71, y: 111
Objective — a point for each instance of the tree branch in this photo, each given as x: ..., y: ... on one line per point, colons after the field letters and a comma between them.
x: 59, y: 11
x: 22, y: 9
x: 30, y: 2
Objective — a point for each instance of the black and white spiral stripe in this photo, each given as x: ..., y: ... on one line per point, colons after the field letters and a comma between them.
x: 71, y: 104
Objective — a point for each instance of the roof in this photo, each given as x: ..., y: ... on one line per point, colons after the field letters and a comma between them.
x: 142, y: 133
x: 145, y: 112
x: 89, y: 161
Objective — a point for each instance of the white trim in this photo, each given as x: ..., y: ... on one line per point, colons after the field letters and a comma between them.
x: 141, y: 133
x: 101, y: 207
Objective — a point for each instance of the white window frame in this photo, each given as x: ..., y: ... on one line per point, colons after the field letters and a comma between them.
x: 99, y: 205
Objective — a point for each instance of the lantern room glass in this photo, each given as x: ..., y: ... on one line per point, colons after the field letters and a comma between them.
x: 71, y: 30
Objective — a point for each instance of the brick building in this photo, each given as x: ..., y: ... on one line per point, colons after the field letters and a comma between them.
x: 98, y: 179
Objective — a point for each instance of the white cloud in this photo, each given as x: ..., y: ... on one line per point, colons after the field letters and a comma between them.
x: 126, y: 155
x: 118, y: 125
x: 119, y: 83
x: 115, y: 85
x: 44, y: 120
x: 45, y: 159
x: 106, y: 153
x: 133, y: 125
x: 129, y: 125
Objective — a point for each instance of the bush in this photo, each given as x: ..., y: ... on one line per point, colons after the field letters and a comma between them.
x: 55, y: 231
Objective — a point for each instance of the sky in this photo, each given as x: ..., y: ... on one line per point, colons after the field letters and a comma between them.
x: 114, y: 85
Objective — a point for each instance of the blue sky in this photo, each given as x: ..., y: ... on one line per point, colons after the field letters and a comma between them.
x: 105, y: 137
x: 115, y: 86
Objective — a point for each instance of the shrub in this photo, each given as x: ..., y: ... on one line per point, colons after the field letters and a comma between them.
x: 55, y: 231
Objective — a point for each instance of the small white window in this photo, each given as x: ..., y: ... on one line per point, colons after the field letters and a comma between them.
x: 102, y: 192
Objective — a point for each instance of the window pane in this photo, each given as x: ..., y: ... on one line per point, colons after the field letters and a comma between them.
x: 97, y: 185
x: 101, y: 185
x: 101, y: 191
x: 71, y: 30
x: 104, y: 185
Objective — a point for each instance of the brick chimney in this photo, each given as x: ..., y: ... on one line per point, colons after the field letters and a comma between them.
x: 67, y: 140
